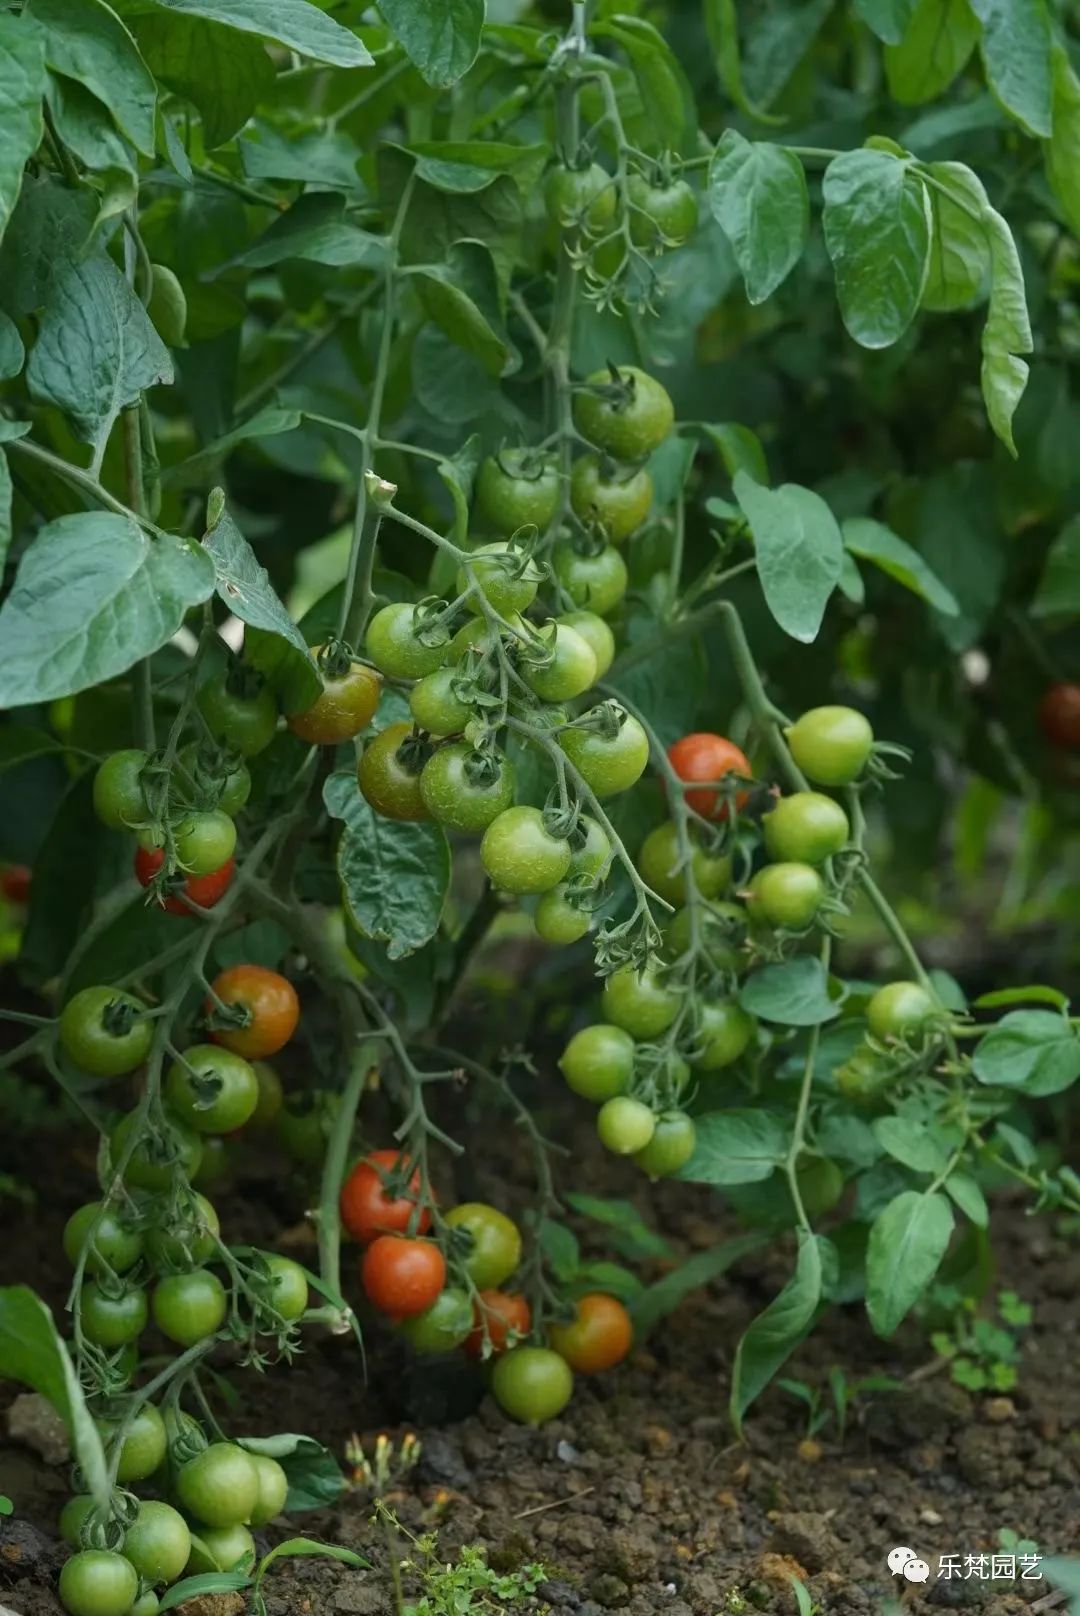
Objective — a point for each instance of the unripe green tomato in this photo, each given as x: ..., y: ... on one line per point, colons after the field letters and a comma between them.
x: 628, y: 420
x: 118, y: 795
x: 204, y: 842
x: 479, y: 636
x: 532, y: 1384
x: 115, y: 1246
x: 219, y: 1486
x: 807, y: 828
x: 189, y: 1307
x: 494, y: 1246
x: 507, y: 588
x: 147, y: 1604
x: 434, y: 705
x: 598, y: 1062
x: 72, y: 1516
x: 144, y: 1444
x: 596, y: 634
x: 389, y: 776
x: 158, y: 1542
x: 639, y: 1002
x: 520, y: 855
x: 670, y: 1147
x: 581, y: 198
x: 608, y: 763
x: 212, y: 1089
x: 831, y: 744
x: 724, y: 1030
x: 590, y: 850
x: 662, y: 215
x: 899, y: 1010
x: 392, y: 643
x: 721, y: 927
x: 517, y: 489
x: 594, y: 580
x: 167, y: 307
x: 821, y: 1184
x: 443, y: 1326
x: 271, y: 1097
x: 112, y: 1321
x: 215, y: 1169
x: 614, y: 506
x: 154, y: 1170
x: 273, y: 1489
x: 559, y: 921
x: 287, y: 1286
x: 660, y: 863
x: 786, y: 895
x: 235, y: 785
x: 245, y: 721
x: 105, y: 1031
x: 219, y: 1548
x: 98, y: 1583
x: 625, y: 1125
x: 464, y: 789
x: 188, y: 1239
x: 570, y: 672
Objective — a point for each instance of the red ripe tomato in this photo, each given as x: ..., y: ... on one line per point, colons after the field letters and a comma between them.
x: 503, y: 1312
x: 599, y: 1337
x: 708, y: 757
x: 272, y: 1006
x: 1059, y: 715
x: 15, y: 883
x: 368, y: 1210
x: 202, y: 890
x: 402, y: 1277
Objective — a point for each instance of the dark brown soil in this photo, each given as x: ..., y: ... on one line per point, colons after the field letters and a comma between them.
x: 638, y: 1500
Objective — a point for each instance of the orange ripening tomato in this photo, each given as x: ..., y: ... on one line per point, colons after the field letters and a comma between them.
x: 367, y: 1209
x: 702, y: 756
x: 203, y: 890
x: 15, y: 883
x: 271, y: 1002
x: 503, y: 1312
x: 402, y: 1277
x: 1059, y: 715
x: 599, y: 1337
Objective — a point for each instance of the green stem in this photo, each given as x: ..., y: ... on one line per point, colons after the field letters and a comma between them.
x: 81, y: 480
x: 335, y: 1164
x: 300, y: 356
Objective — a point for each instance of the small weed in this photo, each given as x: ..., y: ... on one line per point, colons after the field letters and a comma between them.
x: 844, y: 1394
x: 804, y: 1604
x: 983, y: 1354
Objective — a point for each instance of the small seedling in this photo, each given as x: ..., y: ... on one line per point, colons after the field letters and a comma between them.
x: 983, y: 1355
x: 804, y: 1604
x: 844, y: 1393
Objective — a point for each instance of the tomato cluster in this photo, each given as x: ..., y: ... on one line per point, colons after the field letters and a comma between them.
x: 439, y: 1278
x: 612, y: 226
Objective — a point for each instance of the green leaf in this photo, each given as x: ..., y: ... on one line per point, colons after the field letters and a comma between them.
x: 657, y: 1301
x: 208, y: 1582
x: 314, y: 1475
x: 877, y: 232
x: 740, y: 450
x: 269, y: 422
x: 799, y: 551
x: 315, y: 228
x: 959, y: 534
x: 273, y: 643
x: 320, y: 156
x: 462, y: 297
x: 1037, y: 994
x: 96, y: 349
x: 12, y: 352
x: 86, y: 41
x: 450, y: 384
x: 736, y: 1147
x: 908, y: 1239
x: 722, y: 26
x: 757, y: 192
x: 911, y: 1143
x: 969, y: 1198
x: 611, y: 1277
x: 1007, y: 332
x: 394, y: 875
x: 1058, y: 592
x: 778, y: 36
x: 93, y: 594
x: 889, y: 19
x: 873, y: 541
x: 297, y: 1547
x: 5, y: 509
x: 32, y: 1352
x: 458, y: 474
x: 795, y: 992
x: 442, y: 41
x: 1035, y: 1051
x: 302, y: 27
x: 960, y: 263
x: 937, y: 43
x: 774, y: 1334
x: 22, y: 85
x: 1015, y: 48
x: 661, y: 82
x: 472, y: 165
x: 630, y: 1235
x: 87, y: 130
x: 223, y: 74
x: 560, y: 1246
x: 1061, y: 153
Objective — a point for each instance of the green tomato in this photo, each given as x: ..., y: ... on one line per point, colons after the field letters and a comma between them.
x: 821, y: 1184
x: 74, y: 1513
x: 493, y: 1249
x: 271, y: 1096
x: 629, y: 414
x: 532, y: 1384
x: 273, y: 1489
x: 443, y: 1326
x: 639, y: 1003
x: 305, y: 1124
x: 98, y: 1583
x: 786, y: 895
x: 598, y: 1062
x: 105, y: 1031
x: 167, y: 307
x: 204, y: 842
x: 118, y: 794
x: 570, y: 672
x: 147, y: 1604
x: 608, y: 763
x: 244, y: 719
x: 596, y: 634
x: 899, y: 1010
x: 465, y: 789
x: 393, y: 645
x: 595, y: 580
x: 220, y: 1548
x: 807, y: 828
x: 214, y: 1171
x: 477, y: 638
x: 662, y: 215
x: 671, y: 1146
x: 188, y: 1239
x: 518, y: 489
x: 660, y: 864
x: 213, y: 777
x: 519, y: 853
x: 219, y: 1486
x: 158, y: 1542
x: 581, y: 198
x: 559, y: 921
x: 723, y: 1031
x: 116, y: 1246
x: 156, y: 1160
x: 212, y: 1089
x: 590, y: 850
x: 434, y: 705
x: 831, y: 745
x: 389, y: 774
x: 721, y: 927
x: 112, y: 1321
x: 287, y: 1287
x: 625, y: 1125
x: 611, y: 501
x: 189, y: 1307
x: 143, y: 1447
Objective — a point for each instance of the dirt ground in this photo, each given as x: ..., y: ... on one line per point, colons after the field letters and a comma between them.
x: 637, y: 1500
